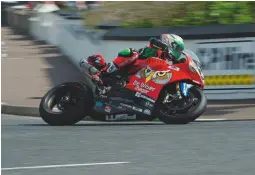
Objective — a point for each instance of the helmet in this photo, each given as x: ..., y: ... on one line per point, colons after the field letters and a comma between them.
x: 175, y: 44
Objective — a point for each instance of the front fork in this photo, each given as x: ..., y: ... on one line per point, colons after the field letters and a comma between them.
x: 182, y: 90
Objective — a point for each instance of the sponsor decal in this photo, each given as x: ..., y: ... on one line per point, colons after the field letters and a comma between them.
x: 117, y: 106
x: 120, y: 117
x: 144, y: 91
x: 99, y: 104
x: 138, y: 94
x: 125, y: 105
x: 132, y: 107
x: 146, y: 86
x: 110, y: 117
x: 137, y: 109
x: 174, y: 67
x: 143, y: 87
x: 147, y: 111
x: 158, y: 77
x: 107, y: 109
x: 148, y: 104
x: 124, y: 63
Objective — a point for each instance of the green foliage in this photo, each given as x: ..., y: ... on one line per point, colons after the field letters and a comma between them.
x: 140, y: 23
x: 194, y: 13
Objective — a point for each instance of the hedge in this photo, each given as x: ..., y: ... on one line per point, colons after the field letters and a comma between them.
x: 194, y: 13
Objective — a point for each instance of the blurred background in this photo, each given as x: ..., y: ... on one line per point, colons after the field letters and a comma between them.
x: 42, y: 43
x: 155, y: 14
x: 158, y: 14
x: 220, y: 33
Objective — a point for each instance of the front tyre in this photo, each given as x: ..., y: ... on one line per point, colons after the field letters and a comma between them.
x: 198, y: 104
x: 66, y: 104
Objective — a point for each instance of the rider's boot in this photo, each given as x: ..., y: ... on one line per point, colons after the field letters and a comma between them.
x: 108, y: 74
x: 106, y: 78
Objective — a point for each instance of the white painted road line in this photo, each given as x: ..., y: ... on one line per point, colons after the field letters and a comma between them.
x: 64, y: 165
x: 14, y: 58
x: 212, y: 119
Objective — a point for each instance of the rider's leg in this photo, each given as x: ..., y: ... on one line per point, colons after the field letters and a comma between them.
x: 124, y: 58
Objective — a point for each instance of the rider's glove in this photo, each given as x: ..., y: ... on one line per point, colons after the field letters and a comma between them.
x: 158, y: 44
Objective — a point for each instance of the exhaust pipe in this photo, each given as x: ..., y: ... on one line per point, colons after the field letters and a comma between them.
x: 88, y: 71
x: 87, y: 68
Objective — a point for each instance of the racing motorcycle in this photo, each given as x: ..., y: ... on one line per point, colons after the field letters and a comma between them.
x: 153, y: 88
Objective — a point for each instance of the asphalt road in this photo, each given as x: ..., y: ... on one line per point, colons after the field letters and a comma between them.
x: 211, y: 148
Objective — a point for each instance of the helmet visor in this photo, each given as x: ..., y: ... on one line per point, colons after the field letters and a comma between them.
x: 177, y: 47
x: 177, y: 50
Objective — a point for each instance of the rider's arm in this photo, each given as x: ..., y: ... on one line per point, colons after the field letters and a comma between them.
x: 157, y: 44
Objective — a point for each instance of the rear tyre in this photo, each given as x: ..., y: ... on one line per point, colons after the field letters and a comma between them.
x: 188, y: 115
x: 66, y: 104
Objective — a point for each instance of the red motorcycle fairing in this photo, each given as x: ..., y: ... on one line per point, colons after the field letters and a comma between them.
x: 120, y: 61
x: 153, y: 74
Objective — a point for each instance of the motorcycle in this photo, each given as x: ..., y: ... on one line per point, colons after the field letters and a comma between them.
x: 153, y: 88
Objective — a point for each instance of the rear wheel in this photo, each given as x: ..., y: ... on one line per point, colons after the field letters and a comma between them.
x: 66, y: 104
x: 185, y: 110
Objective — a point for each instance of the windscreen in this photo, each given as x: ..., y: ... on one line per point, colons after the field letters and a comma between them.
x: 192, y: 55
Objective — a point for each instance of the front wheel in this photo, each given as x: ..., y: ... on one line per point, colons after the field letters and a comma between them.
x: 185, y: 110
x: 66, y: 104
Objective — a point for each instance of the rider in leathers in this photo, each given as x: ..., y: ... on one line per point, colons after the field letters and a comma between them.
x: 169, y: 47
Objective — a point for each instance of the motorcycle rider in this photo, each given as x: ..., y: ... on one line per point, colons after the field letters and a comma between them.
x: 169, y: 46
